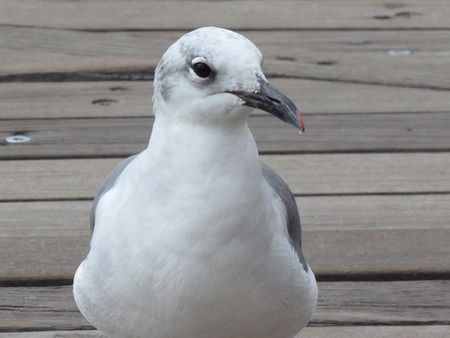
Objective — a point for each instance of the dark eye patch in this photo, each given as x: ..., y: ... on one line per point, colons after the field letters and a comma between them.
x: 201, y: 69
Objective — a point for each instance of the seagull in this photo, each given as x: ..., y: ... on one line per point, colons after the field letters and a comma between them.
x: 194, y: 237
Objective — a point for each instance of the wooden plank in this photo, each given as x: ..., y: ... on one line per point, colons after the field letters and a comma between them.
x: 363, y: 173
x: 343, y: 303
x: 133, y: 99
x: 401, y: 234
x: 375, y: 234
x: 308, y: 332
x: 375, y: 332
x: 43, y: 241
x: 305, y: 54
x: 76, y: 99
x: 62, y: 138
x: 338, y: 58
x: 305, y: 174
x: 78, y: 50
x: 383, y: 302
x: 53, y: 334
x: 51, y: 308
x: 241, y: 15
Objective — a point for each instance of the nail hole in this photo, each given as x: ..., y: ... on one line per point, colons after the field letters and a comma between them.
x: 286, y: 58
x: 408, y: 129
x: 326, y: 63
x: 406, y: 14
x: 104, y: 102
x: 382, y: 16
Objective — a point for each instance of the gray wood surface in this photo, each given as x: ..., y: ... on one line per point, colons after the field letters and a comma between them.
x: 317, y: 174
x: 62, y: 138
x: 242, y: 15
x: 413, y: 302
x: 371, y: 174
x: 341, y: 235
x: 308, y: 332
x: 133, y: 99
x: 329, y: 55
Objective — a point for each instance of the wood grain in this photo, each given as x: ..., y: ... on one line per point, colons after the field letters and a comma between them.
x: 121, y: 137
x: 329, y: 55
x: 42, y: 241
x: 75, y: 99
x: 170, y: 15
x: 375, y: 234
x: 363, y: 173
x: 133, y: 99
x: 360, y: 303
x: 308, y: 332
x: 305, y: 174
x: 371, y: 174
x: 341, y: 235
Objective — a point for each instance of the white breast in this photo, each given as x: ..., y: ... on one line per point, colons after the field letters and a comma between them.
x: 181, y: 256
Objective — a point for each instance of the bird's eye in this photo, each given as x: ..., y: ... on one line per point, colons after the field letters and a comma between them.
x: 201, y: 69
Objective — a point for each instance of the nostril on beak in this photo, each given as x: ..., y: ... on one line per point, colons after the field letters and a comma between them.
x: 274, y: 100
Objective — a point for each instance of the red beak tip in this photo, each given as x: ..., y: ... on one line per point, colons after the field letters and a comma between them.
x: 300, y: 121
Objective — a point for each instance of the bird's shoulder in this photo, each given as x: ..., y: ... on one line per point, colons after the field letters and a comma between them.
x: 107, y: 184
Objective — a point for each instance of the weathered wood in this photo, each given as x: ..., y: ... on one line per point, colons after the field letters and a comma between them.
x: 308, y: 332
x: 335, y: 55
x: 375, y: 332
x: 305, y: 174
x: 54, y: 334
x: 79, y: 50
x: 363, y: 173
x: 133, y: 99
x: 383, y: 302
x: 338, y: 58
x: 62, y: 138
x: 345, y: 57
x: 376, y: 234
x: 415, y: 302
x: 240, y: 15
x: 42, y: 241
x: 341, y: 235
x: 77, y: 99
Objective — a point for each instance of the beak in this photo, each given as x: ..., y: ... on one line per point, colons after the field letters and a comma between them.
x: 271, y: 100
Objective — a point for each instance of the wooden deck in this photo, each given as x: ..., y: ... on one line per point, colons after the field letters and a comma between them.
x: 371, y: 174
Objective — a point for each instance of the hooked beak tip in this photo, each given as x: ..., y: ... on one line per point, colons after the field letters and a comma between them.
x: 300, y: 121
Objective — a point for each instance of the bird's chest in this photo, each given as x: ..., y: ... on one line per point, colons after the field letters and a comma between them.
x: 209, y: 254
x: 178, y: 224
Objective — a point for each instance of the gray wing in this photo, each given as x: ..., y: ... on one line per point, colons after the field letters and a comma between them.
x: 107, y: 184
x: 292, y: 215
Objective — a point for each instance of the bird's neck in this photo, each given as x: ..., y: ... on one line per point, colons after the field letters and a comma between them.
x: 201, y: 148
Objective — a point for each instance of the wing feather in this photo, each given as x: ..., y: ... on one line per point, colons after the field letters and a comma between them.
x: 292, y: 215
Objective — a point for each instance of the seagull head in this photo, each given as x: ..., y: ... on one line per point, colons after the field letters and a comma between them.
x: 213, y: 76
